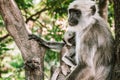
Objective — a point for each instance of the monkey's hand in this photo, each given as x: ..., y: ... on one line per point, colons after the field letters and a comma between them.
x: 57, y: 46
x: 36, y: 38
x: 32, y: 36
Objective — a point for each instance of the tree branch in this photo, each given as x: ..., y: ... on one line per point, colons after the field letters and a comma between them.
x: 36, y: 14
x: 4, y: 37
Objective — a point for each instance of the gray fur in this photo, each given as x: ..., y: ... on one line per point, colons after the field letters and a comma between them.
x: 94, y: 46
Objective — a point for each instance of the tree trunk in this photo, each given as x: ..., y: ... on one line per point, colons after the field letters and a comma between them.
x: 32, y: 53
x: 103, y: 9
x: 116, y: 72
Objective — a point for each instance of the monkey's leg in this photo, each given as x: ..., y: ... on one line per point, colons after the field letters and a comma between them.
x: 51, y: 45
x: 68, y: 61
x: 71, y: 60
x: 81, y: 72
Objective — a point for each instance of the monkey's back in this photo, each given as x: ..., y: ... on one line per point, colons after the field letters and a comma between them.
x: 100, y: 35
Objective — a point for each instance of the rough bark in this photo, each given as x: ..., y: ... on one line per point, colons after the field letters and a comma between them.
x: 32, y: 53
x: 116, y: 72
x: 103, y: 9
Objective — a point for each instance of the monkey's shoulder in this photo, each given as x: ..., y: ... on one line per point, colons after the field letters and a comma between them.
x: 97, y: 32
x: 100, y: 26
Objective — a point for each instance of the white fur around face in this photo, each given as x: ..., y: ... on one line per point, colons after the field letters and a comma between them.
x: 83, y: 5
x: 83, y: 23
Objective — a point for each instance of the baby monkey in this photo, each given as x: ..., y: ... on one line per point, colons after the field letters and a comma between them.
x: 69, y: 48
x: 67, y: 36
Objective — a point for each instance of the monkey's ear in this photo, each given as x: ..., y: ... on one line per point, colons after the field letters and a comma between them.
x: 93, y: 8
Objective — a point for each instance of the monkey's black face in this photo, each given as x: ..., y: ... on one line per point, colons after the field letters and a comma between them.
x: 74, y: 16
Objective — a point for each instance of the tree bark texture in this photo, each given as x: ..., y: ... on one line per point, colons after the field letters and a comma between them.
x: 116, y: 72
x: 103, y: 9
x: 32, y: 53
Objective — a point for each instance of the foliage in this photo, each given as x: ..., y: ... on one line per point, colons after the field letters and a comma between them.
x: 3, y: 44
x: 24, y: 4
x: 110, y: 14
x: 12, y: 67
x: 3, y: 48
x: 55, y: 33
x: 59, y: 7
x: 1, y: 21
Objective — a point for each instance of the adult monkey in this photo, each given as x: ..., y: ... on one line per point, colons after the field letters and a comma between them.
x: 94, y: 42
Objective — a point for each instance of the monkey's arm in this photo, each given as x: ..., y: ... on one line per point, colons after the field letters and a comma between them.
x: 75, y: 72
x: 50, y: 45
x: 69, y: 61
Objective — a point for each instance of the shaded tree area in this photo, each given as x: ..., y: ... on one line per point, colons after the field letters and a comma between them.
x: 103, y: 9
x: 48, y: 20
x: 116, y: 73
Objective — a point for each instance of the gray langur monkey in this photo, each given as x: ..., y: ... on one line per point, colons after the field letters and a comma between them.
x: 94, y: 42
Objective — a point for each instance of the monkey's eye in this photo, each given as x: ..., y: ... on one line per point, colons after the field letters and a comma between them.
x: 78, y: 12
x: 75, y: 11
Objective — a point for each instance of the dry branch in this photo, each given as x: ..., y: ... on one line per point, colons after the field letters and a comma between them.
x: 4, y: 37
